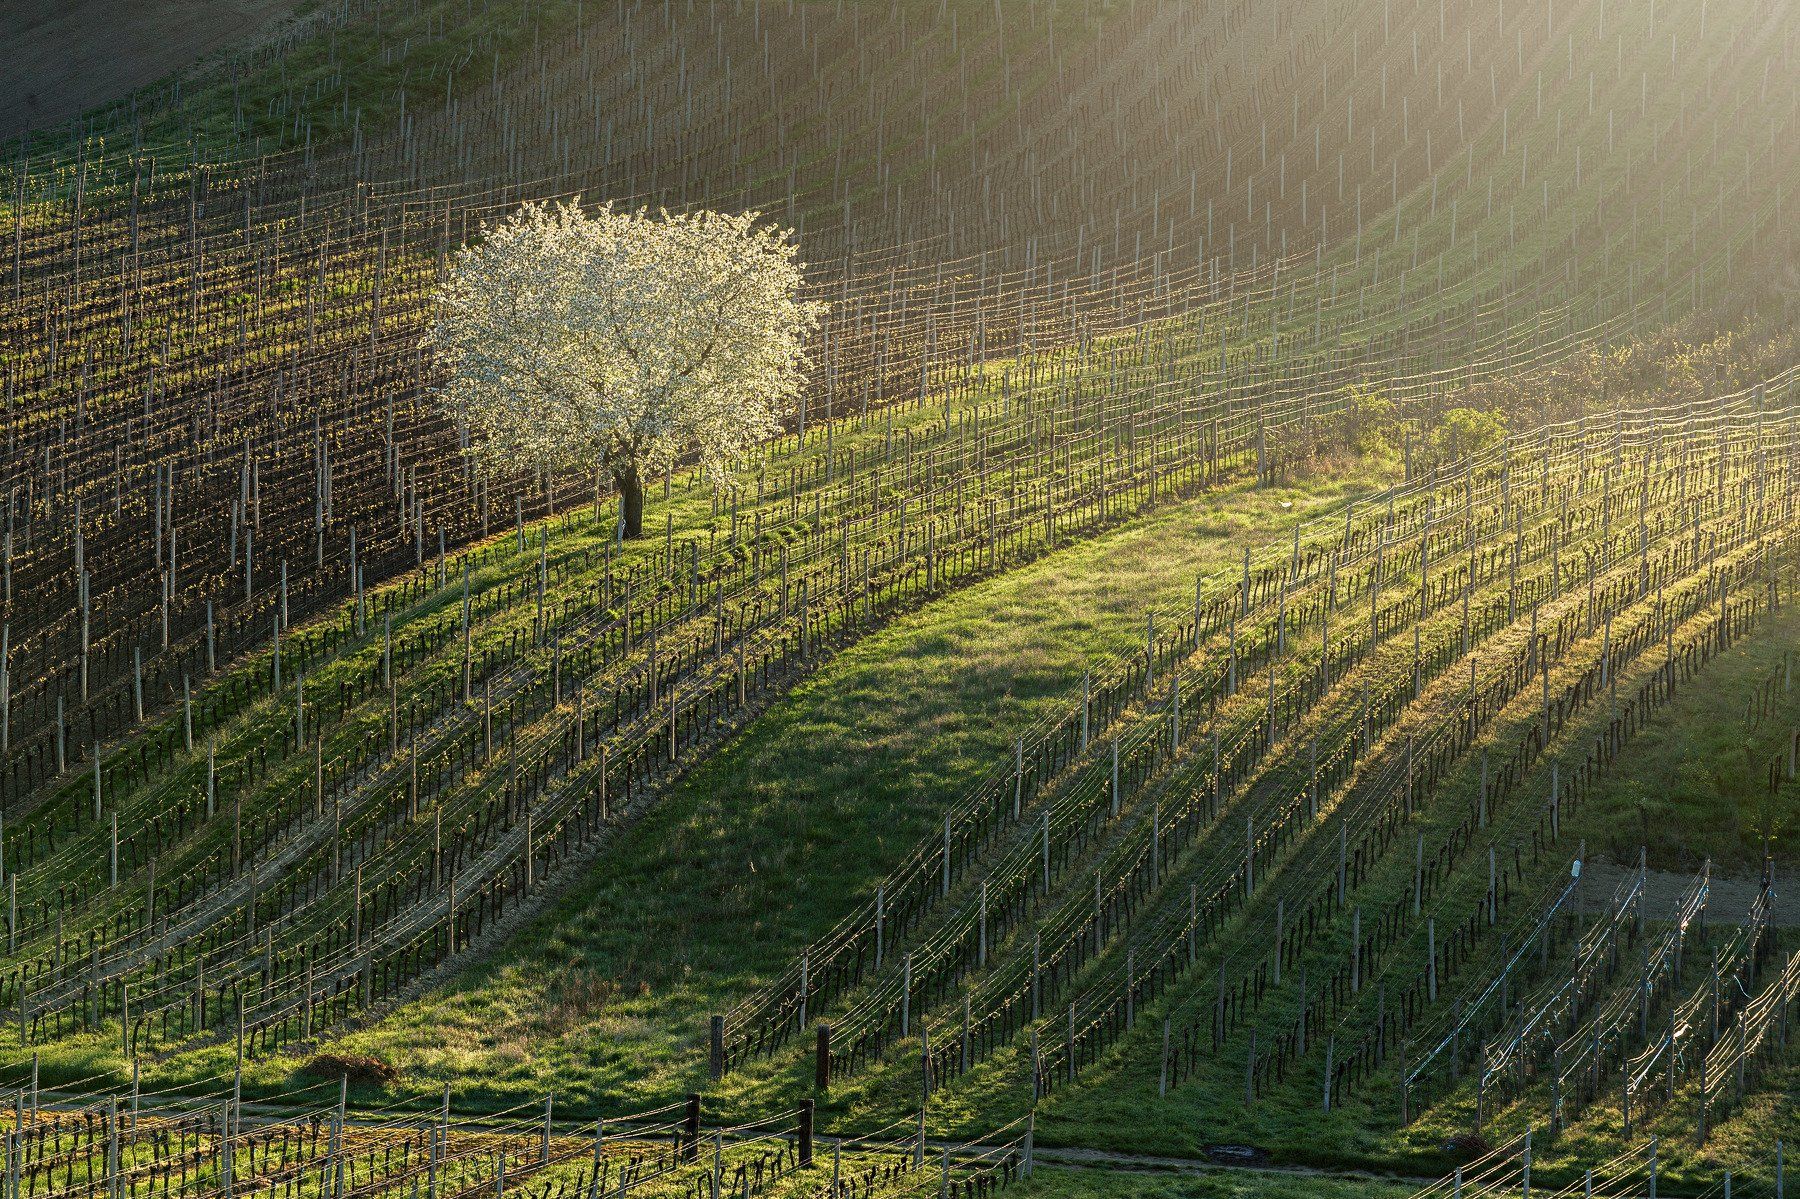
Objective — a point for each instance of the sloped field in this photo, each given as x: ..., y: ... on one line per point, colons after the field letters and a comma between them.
x: 1280, y: 488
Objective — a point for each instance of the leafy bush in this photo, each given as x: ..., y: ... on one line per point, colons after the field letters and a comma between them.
x: 1465, y: 432
x: 1367, y: 425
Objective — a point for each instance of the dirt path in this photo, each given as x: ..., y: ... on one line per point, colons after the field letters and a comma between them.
x: 62, y: 57
x: 1728, y: 903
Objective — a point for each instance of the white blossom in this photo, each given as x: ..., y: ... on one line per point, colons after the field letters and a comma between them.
x: 621, y: 340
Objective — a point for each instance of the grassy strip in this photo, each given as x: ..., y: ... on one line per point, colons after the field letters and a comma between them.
x: 1706, y: 719
x: 1697, y: 789
x: 764, y: 846
x: 1115, y: 1105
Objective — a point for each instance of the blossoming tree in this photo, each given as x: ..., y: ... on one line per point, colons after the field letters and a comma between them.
x: 620, y: 341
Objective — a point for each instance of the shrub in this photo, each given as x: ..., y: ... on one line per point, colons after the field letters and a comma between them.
x: 1367, y: 423
x: 1465, y: 432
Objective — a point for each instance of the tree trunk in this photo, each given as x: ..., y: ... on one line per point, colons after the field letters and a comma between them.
x: 631, y: 500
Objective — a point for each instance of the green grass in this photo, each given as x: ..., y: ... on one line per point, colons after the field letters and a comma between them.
x: 1680, y: 760
x: 1115, y: 1105
x: 265, y: 719
x: 603, y: 1000
x: 1698, y: 787
x: 771, y: 841
x: 687, y: 506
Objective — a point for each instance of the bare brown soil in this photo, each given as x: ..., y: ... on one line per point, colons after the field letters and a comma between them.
x: 59, y: 58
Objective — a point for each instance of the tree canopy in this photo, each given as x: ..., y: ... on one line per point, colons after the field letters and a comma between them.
x: 620, y: 341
